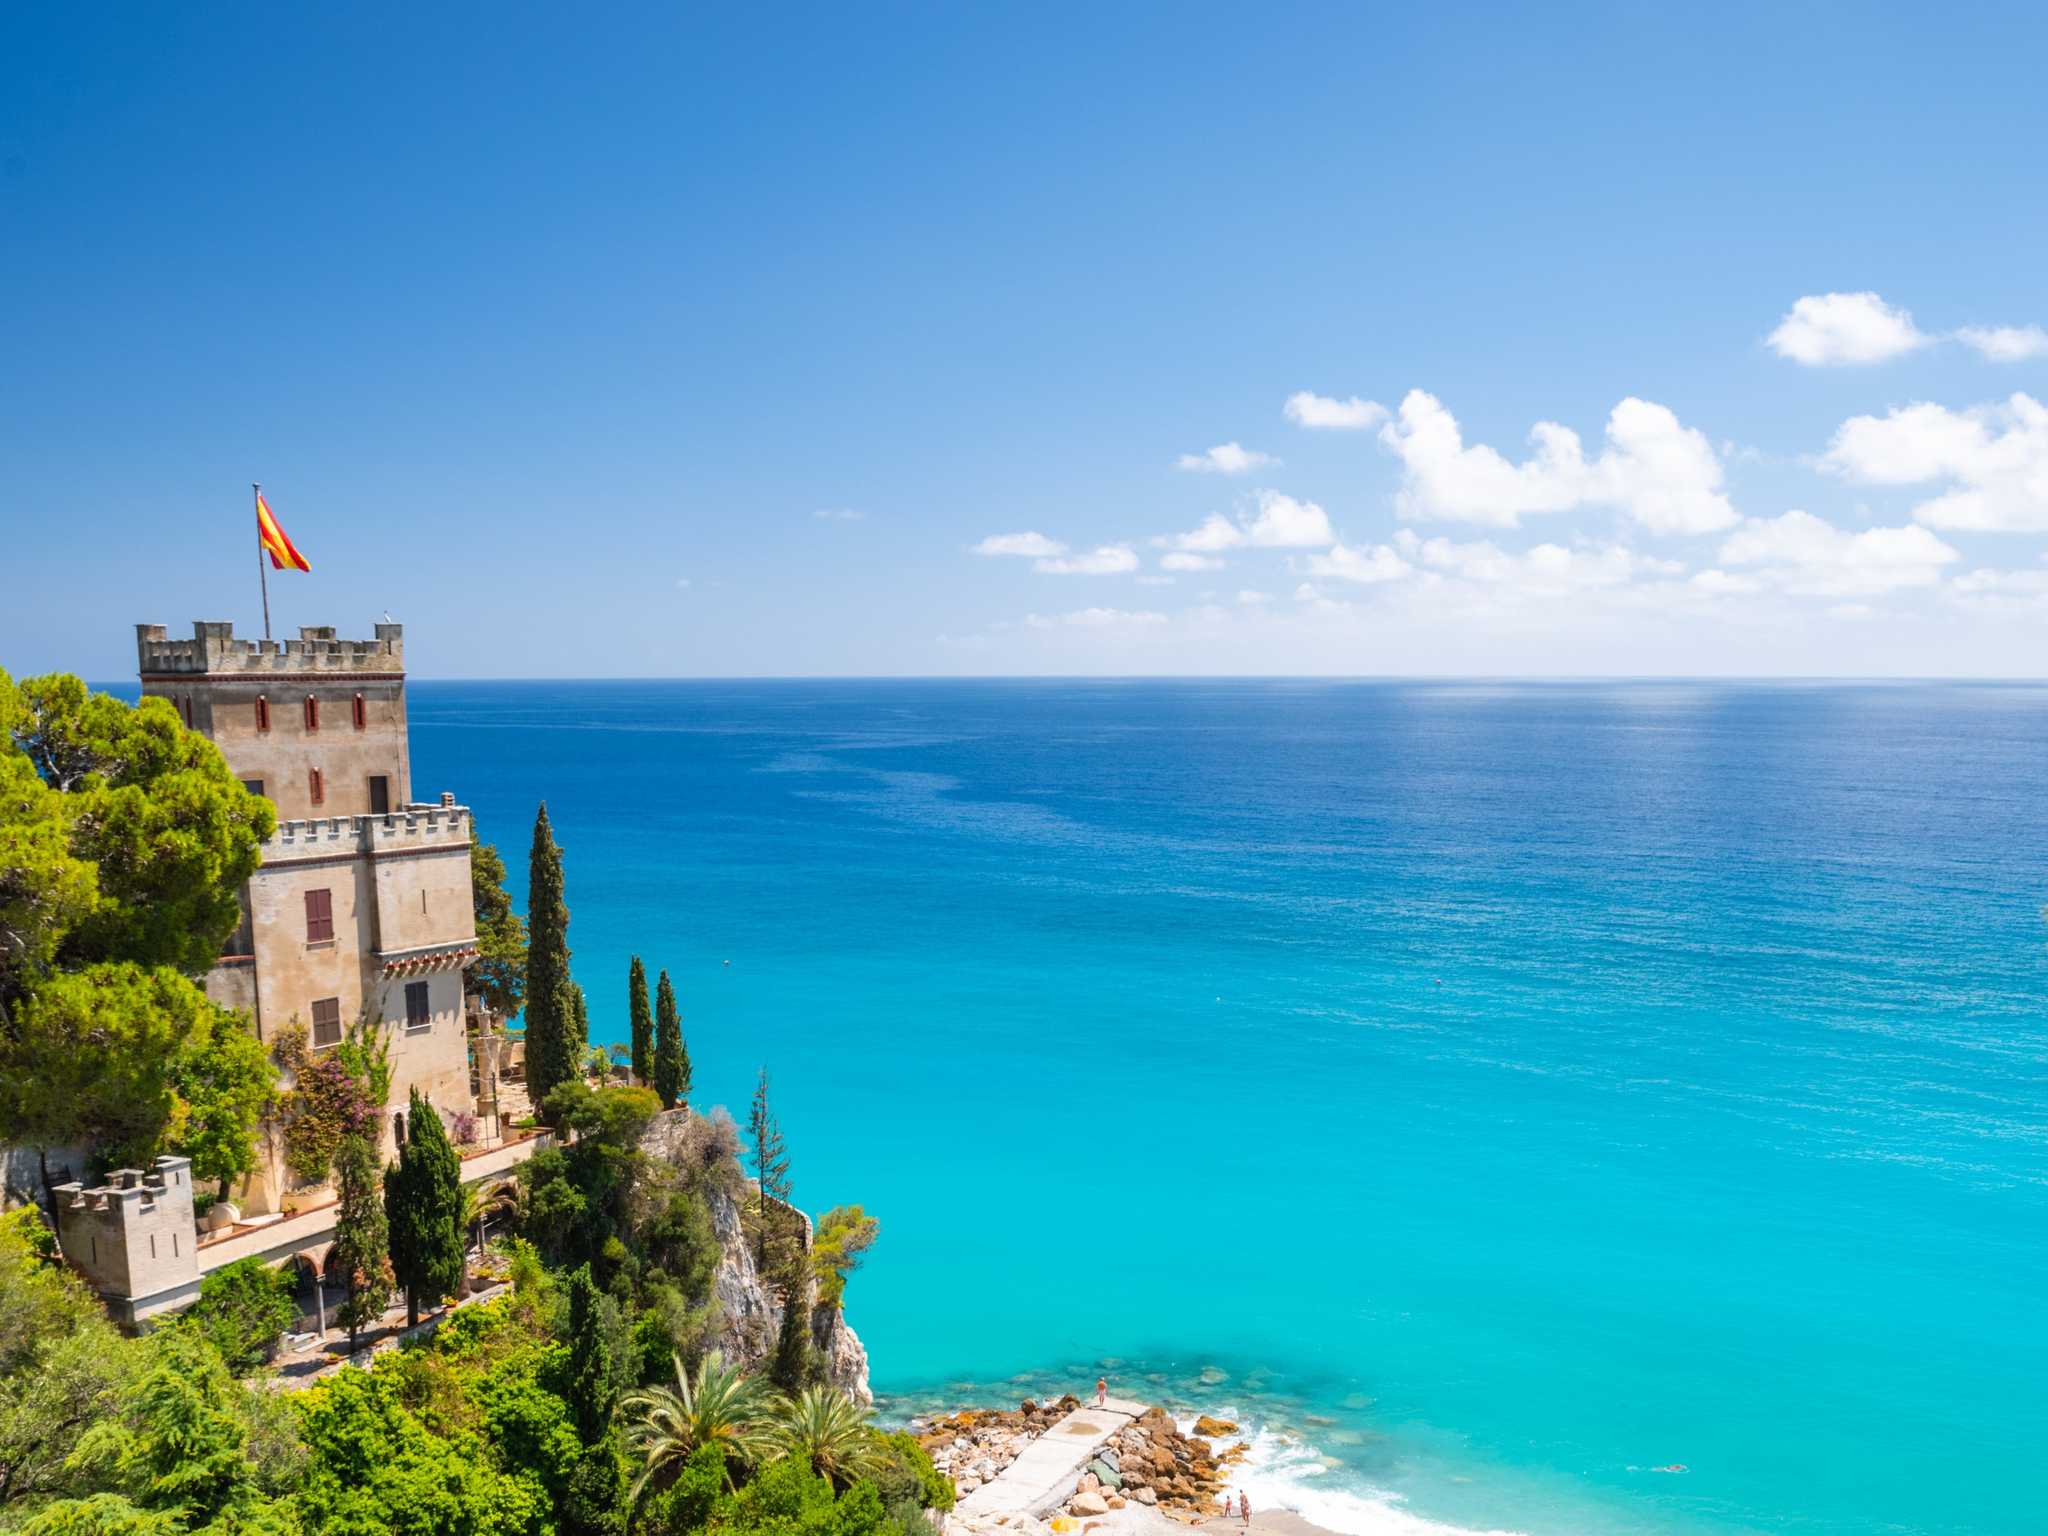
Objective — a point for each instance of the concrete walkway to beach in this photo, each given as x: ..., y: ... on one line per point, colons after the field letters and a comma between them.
x: 1044, y: 1473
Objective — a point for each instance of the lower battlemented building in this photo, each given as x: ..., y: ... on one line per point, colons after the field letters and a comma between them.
x: 362, y: 910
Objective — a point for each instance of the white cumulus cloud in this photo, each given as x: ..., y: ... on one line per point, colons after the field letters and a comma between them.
x: 1105, y: 560
x: 1307, y: 409
x: 1035, y: 546
x: 1183, y: 560
x: 1810, y: 557
x: 1660, y: 473
x: 1279, y: 522
x: 1993, y: 458
x: 1828, y: 329
x: 1224, y: 459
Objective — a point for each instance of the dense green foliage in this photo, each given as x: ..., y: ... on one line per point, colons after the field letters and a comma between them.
x: 556, y: 1026
x: 362, y: 1236
x: 499, y: 1424
x: 844, y: 1235
x: 242, y: 1308
x: 124, y: 841
x: 641, y: 1019
x: 671, y: 1061
x: 423, y: 1209
x: 498, y: 975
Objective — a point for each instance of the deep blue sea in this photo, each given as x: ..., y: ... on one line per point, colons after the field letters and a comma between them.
x: 1491, y: 1093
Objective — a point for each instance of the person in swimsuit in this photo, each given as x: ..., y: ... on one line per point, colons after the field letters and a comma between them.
x: 1101, y: 1391
x: 1244, y: 1507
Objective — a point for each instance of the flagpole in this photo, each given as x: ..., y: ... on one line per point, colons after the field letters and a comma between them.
x: 262, y: 571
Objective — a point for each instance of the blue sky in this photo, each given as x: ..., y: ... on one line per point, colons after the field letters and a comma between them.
x: 553, y: 331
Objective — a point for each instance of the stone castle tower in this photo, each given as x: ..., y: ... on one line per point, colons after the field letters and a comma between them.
x: 363, y: 905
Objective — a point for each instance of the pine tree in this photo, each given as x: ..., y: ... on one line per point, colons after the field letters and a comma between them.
x: 594, y: 1379
x: 671, y: 1060
x: 554, y: 1053
x: 771, y: 1163
x: 643, y: 1023
x: 423, y: 1207
x: 360, y: 1236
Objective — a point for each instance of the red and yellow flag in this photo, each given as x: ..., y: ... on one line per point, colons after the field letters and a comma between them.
x: 283, y: 553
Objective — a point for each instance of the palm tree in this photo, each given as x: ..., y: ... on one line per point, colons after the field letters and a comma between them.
x: 720, y: 1407
x: 823, y: 1426
x: 479, y: 1204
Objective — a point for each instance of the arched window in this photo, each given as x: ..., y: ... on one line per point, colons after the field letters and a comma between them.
x: 398, y: 1126
x: 312, y: 713
x: 316, y: 785
x: 262, y: 713
x: 362, y: 712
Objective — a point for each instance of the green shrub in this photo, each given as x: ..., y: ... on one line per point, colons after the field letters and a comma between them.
x: 242, y: 1308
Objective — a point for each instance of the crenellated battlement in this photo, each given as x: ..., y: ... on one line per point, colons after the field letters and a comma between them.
x: 133, y: 1237
x: 213, y: 651
x: 413, y: 826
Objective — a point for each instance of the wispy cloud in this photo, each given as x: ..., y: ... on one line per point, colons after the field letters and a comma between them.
x: 840, y: 514
x: 1033, y: 546
x: 2005, y: 343
x: 1810, y: 557
x: 1096, y: 618
x: 1106, y: 560
x: 1224, y: 459
x: 1306, y: 409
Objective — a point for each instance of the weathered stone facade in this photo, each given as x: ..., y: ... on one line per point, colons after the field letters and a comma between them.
x: 133, y: 1237
x: 362, y: 908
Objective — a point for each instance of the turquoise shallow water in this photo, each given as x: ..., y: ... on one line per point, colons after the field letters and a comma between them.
x: 1493, y: 1092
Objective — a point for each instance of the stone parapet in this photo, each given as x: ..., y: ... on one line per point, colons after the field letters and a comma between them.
x: 213, y: 651
x: 413, y: 828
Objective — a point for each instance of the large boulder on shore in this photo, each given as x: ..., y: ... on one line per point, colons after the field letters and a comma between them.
x: 1089, y: 1503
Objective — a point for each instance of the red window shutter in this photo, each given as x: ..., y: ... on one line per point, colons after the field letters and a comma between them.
x: 362, y: 712
x: 262, y: 713
x: 312, y: 713
x: 319, y: 916
x: 316, y: 782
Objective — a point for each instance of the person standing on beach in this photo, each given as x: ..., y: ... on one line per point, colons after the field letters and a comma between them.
x: 1101, y: 1391
x: 1244, y: 1507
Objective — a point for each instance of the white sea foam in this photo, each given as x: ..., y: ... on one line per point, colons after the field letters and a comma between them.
x: 1284, y: 1471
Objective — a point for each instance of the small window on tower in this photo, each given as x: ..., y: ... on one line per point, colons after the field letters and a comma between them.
x: 316, y: 785
x: 380, y: 795
x: 319, y: 916
x: 262, y: 713
x: 326, y: 1023
x: 362, y: 712
x: 312, y: 713
x: 417, y: 1014
x: 185, y: 711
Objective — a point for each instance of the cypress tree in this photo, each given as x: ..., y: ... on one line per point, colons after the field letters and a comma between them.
x: 423, y: 1209
x: 593, y: 1382
x: 360, y: 1236
x: 643, y: 1023
x: 794, y: 1364
x: 671, y: 1061
x: 553, y: 1055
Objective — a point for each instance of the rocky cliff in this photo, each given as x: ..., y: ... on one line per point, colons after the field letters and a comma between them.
x: 749, y: 1309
